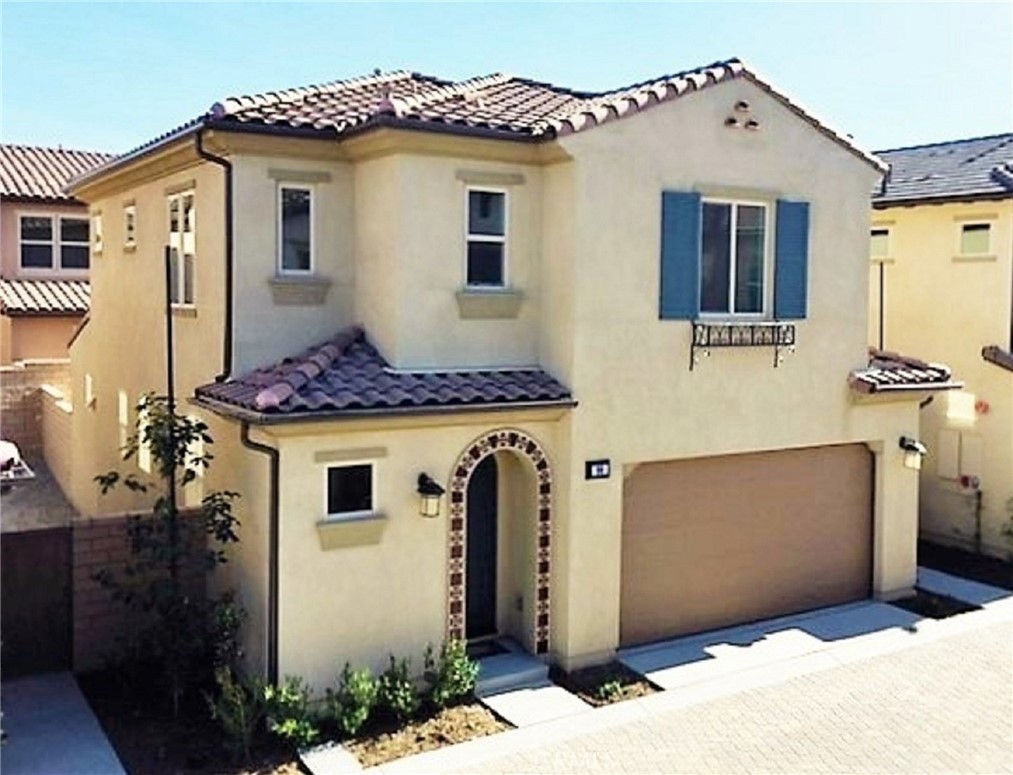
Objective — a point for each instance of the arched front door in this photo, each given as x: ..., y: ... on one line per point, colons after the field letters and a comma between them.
x: 482, y: 527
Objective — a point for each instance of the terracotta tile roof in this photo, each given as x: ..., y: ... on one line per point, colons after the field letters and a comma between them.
x: 34, y: 173
x: 347, y: 375
x: 959, y: 169
x: 891, y: 372
x: 995, y: 354
x: 44, y: 297
x: 503, y: 106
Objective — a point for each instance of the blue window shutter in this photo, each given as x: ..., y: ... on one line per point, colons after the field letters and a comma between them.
x: 791, y: 264
x: 680, y: 255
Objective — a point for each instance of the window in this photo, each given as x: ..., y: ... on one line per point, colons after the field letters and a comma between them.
x: 732, y: 264
x: 44, y: 237
x: 96, y: 232
x: 143, y: 447
x: 89, y: 391
x: 123, y: 418
x: 193, y: 491
x: 295, y: 228
x: 879, y: 243
x: 975, y: 239
x: 130, y: 226
x: 182, y: 247
x: 350, y: 489
x: 486, y: 260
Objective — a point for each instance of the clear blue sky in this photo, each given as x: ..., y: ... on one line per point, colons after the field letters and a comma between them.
x: 110, y: 76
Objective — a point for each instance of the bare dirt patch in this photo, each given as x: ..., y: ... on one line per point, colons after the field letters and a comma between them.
x: 933, y: 605
x: 604, y: 684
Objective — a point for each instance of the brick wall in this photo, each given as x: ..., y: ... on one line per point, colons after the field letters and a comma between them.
x: 21, y: 400
x: 99, y: 621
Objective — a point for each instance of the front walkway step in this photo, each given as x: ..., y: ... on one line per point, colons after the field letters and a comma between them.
x: 513, y: 670
x: 535, y: 704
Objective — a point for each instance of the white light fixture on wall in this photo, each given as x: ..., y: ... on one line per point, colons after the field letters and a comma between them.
x: 914, y: 451
x: 430, y: 493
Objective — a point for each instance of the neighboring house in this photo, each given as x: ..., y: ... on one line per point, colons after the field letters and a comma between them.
x: 512, y: 289
x: 44, y: 250
x: 942, y: 287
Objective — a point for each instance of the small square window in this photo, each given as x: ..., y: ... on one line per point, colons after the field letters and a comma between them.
x: 295, y: 228
x: 879, y: 243
x: 975, y: 239
x: 486, y: 238
x: 349, y: 489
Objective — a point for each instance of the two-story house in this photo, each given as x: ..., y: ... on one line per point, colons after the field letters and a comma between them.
x: 941, y: 286
x: 45, y: 250
x: 495, y: 358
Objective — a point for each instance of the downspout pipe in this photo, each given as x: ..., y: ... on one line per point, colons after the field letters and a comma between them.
x: 226, y: 166
x: 273, y: 457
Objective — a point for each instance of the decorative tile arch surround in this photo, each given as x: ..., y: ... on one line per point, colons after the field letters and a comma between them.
x: 524, y: 445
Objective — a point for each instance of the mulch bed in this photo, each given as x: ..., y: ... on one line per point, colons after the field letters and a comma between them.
x: 934, y: 606
x: 447, y: 727
x: 149, y: 741
x: 604, y: 684
x: 968, y: 565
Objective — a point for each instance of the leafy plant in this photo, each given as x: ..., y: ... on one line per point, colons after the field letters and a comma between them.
x: 397, y: 692
x: 288, y: 712
x: 184, y: 636
x: 452, y: 675
x: 238, y: 708
x: 609, y: 691
x: 354, y: 700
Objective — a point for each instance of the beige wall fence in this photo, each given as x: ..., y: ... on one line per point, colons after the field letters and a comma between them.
x: 21, y: 400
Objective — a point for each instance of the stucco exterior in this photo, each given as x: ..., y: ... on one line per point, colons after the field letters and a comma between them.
x: 583, y: 256
x: 945, y: 307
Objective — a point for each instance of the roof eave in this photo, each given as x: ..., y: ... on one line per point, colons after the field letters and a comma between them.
x: 42, y: 200
x: 914, y: 201
x: 997, y: 356
x: 867, y: 389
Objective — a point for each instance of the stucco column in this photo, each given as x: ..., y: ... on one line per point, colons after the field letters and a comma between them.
x: 895, y: 522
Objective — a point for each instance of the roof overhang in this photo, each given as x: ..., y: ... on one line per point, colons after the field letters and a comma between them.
x: 1001, y: 358
x: 990, y: 196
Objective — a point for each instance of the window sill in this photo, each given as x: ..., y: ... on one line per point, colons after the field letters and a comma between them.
x: 299, y: 289
x: 491, y: 304
x: 184, y: 310
x: 970, y: 258
x: 358, y: 530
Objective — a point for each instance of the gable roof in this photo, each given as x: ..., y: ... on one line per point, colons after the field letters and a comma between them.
x: 44, y: 297
x: 498, y: 106
x: 34, y: 173
x: 347, y: 376
x: 977, y: 168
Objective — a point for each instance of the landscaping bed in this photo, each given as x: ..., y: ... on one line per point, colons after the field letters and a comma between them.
x: 451, y: 725
x: 968, y: 565
x: 933, y: 605
x: 604, y: 684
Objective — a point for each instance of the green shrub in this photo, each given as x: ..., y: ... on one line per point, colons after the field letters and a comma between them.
x: 452, y: 675
x: 397, y: 691
x: 609, y: 691
x: 354, y: 700
x: 238, y: 708
x: 288, y: 713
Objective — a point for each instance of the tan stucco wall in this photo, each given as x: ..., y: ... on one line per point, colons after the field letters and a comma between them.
x: 28, y: 337
x: 943, y: 309
x: 9, y: 239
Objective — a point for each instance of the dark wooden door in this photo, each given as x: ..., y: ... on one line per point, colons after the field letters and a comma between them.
x: 481, y: 555
x: 35, y: 608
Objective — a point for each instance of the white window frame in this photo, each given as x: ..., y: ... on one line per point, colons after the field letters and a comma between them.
x: 282, y: 185
x: 500, y: 240
x: 123, y: 417
x: 180, y: 290
x: 55, y: 242
x: 350, y: 515
x: 973, y: 224
x: 130, y: 234
x: 143, y: 447
x: 768, y: 260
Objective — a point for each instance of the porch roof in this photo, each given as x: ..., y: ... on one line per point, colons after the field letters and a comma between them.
x: 890, y: 371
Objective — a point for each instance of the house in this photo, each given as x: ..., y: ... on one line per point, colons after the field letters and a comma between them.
x: 941, y: 286
x: 625, y: 332
x: 44, y: 250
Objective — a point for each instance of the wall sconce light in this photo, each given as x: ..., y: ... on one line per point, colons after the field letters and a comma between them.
x: 430, y: 493
x: 914, y: 451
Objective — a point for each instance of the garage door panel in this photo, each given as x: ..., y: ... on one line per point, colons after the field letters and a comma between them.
x: 714, y: 541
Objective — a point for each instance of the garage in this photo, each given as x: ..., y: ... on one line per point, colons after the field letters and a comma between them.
x: 712, y: 542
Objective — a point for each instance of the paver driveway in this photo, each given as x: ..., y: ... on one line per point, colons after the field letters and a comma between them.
x: 942, y: 706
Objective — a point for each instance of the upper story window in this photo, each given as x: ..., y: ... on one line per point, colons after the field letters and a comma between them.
x: 182, y: 247
x: 130, y: 226
x: 487, y: 238
x: 733, y: 263
x: 879, y: 243
x: 53, y: 242
x: 975, y: 239
x: 350, y: 489
x: 295, y: 228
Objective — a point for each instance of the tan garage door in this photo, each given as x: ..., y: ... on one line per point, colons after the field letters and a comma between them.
x: 717, y: 541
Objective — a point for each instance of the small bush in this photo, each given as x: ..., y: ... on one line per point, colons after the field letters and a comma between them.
x: 288, y: 713
x: 397, y: 692
x: 451, y: 676
x: 354, y: 700
x: 609, y: 691
x: 238, y: 708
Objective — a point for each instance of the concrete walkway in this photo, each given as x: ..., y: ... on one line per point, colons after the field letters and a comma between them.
x: 51, y: 730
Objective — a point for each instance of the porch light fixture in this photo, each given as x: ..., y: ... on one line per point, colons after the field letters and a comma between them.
x: 914, y: 451
x: 430, y: 493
